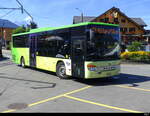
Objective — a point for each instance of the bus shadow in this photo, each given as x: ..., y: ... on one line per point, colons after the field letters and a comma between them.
x: 130, y: 79
x: 42, y: 71
x: 4, y: 58
x: 40, y: 84
x: 26, y: 80
x: 133, y: 80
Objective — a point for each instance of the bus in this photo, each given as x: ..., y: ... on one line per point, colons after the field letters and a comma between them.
x: 86, y: 50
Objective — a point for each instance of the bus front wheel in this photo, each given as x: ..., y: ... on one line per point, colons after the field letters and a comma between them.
x: 61, y: 71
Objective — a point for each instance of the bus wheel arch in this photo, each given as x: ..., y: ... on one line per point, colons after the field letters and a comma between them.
x: 61, y: 70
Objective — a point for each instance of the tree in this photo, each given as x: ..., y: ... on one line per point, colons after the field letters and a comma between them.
x: 21, y: 29
x: 135, y: 46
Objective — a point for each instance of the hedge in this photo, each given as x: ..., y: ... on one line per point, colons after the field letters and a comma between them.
x: 140, y: 56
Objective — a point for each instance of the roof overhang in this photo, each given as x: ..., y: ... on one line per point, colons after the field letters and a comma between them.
x: 148, y: 35
x: 132, y: 35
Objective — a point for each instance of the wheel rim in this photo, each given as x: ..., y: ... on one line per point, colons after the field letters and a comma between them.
x: 62, y: 71
x: 22, y: 63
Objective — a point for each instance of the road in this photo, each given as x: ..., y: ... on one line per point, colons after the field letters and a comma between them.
x: 32, y: 90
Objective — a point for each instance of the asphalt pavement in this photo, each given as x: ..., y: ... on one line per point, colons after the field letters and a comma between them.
x: 32, y: 90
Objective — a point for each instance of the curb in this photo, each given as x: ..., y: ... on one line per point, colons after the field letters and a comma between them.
x: 132, y: 62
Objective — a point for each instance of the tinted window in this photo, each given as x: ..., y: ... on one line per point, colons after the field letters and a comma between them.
x: 45, y: 46
x: 104, y: 43
x: 20, y: 41
x: 54, y: 44
x: 64, y: 47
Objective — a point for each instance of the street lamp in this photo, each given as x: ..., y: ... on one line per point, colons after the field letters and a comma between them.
x: 3, y: 39
x: 81, y: 13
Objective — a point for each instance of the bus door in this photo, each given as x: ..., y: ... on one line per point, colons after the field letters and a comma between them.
x: 78, y: 56
x: 33, y: 50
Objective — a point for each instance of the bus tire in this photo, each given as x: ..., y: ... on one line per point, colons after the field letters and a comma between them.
x: 61, y: 71
x: 22, y: 62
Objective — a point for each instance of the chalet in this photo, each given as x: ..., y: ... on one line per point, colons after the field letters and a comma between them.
x: 147, y: 36
x: 131, y: 28
x: 6, y: 28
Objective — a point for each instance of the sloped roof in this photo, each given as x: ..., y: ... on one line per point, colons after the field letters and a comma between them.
x: 139, y: 21
x: 7, y: 24
x: 118, y: 10
x: 147, y: 31
x: 78, y: 19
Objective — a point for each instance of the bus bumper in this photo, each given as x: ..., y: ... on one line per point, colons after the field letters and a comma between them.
x: 102, y: 69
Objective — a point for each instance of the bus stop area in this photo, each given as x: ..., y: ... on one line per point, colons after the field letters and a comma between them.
x: 32, y: 90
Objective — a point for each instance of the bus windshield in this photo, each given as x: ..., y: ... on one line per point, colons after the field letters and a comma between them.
x: 103, y: 44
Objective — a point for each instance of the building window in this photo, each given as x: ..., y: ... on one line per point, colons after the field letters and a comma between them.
x: 123, y: 20
x: 101, y: 20
x: 116, y: 20
x: 121, y: 29
x: 132, y: 29
x: 106, y: 19
x: 124, y: 29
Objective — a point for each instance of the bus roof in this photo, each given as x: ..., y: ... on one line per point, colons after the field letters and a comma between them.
x: 63, y: 27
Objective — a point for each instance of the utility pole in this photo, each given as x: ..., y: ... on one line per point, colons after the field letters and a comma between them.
x: 81, y: 14
x: 22, y: 11
x: 1, y: 48
x: 1, y: 39
x: 20, y: 8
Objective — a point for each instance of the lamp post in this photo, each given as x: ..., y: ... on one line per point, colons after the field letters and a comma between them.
x: 81, y: 13
x: 1, y: 45
x: 3, y: 39
x: 1, y: 49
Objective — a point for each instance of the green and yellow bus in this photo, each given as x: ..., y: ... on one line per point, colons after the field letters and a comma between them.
x: 86, y: 50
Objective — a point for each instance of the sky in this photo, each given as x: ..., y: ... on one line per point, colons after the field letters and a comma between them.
x: 54, y: 13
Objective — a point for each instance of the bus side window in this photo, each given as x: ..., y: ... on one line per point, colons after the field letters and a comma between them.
x: 63, y: 44
x: 46, y: 47
x: 20, y: 41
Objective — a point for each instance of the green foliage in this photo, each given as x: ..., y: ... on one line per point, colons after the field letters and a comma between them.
x: 136, y: 46
x: 139, y: 56
x: 21, y: 29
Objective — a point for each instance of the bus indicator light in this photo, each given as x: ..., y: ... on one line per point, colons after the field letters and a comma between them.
x: 92, y: 67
